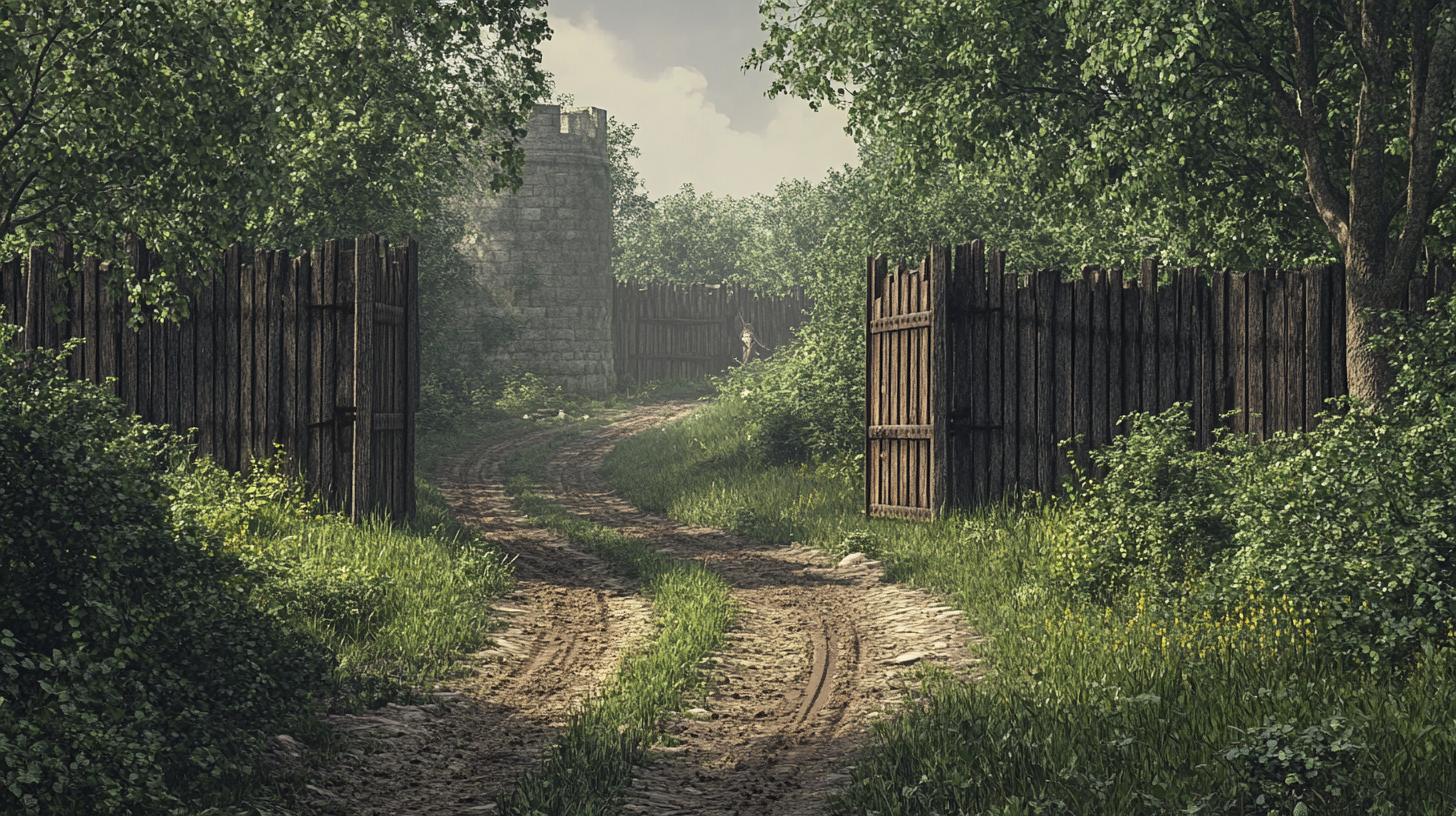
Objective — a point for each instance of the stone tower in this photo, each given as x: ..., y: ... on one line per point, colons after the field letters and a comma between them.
x: 544, y: 254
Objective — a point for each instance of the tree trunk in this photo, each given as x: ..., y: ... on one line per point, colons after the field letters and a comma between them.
x: 1372, y: 286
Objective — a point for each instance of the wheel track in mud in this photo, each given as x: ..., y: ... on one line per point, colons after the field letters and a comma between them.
x: 811, y: 661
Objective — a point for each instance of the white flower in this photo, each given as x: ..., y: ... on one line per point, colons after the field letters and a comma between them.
x: 746, y: 392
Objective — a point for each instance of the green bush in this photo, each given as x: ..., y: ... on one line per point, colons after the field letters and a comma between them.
x: 133, y: 671
x: 1356, y: 518
x: 1157, y: 519
x: 806, y: 402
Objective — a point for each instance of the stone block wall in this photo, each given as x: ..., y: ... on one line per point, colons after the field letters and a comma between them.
x: 544, y: 254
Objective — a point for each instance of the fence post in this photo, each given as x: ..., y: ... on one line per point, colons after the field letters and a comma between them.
x: 940, y: 261
x: 366, y: 271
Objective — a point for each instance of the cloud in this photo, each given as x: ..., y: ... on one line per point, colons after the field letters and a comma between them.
x: 683, y: 137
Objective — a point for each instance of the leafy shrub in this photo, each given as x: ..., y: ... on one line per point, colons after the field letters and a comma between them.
x: 806, y: 402
x: 1291, y: 770
x: 1357, y: 517
x: 132, y: 669
x: 1157, y: 519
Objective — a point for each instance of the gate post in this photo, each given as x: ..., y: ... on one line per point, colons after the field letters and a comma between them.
x: 940, y: 260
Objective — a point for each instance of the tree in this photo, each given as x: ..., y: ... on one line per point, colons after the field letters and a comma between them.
x: 194, y: 123
x: 689, y: 238
x: 629, y: 197
x: 1332, y: 112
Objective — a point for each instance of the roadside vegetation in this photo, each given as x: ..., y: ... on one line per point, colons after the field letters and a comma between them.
x: 587, y: 768
x: 1253, y: 629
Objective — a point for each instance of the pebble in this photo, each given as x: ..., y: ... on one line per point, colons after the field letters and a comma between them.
x: 908, y: 658
x: 852, y: 559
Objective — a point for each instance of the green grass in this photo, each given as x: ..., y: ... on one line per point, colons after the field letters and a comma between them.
x: 398, y: 604
x: 586, y: 769
x: 1084, y: 709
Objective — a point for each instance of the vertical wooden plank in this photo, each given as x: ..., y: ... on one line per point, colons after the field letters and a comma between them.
x: 1132, y: 350
x: 325, y: 419
x: 1167, y: 351
x: 1221, y: 383
x: 185, y: 339
x: 412, y: 360
x: 995, y: 373
x: 1294, y: 369
x: 1316, y: 343
x: 288, y: 296
x: 1063, y: 394
x: 91, y: 303
x: 1011, y: 373
x: 1028, y: 455
x: 109, y: 323
x: 247, y: 344
x: 1082, y: 386
x: 1046, y: 380
x: 1238, y: 322
x: 1115, y: 352
x: 229, y: 358
x: 1101, y: 355
x: 940, y: 262
x: 1258, y: 306
x: 1203, y: 356
x: 1339, y: 314
x: 1148, y: 335
x: 1276, y: 343
x: 366, y: 271
x: 205, y: 330
x: 1186, y: 377
x: 969, y: 322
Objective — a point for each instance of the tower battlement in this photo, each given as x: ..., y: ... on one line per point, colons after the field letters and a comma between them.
x: 554, y: 127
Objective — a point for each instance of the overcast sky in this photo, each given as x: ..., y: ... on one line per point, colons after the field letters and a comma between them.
x: 673, y: 68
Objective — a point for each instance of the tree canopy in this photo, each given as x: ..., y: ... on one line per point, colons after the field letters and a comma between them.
x: 194, y: 123
x: 1241, y: 122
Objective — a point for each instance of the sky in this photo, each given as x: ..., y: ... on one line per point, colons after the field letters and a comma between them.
x: 674, y: 68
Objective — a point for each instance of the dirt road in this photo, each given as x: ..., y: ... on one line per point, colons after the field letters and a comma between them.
x: 819, y: 651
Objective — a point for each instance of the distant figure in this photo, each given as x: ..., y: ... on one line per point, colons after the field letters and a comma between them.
x: 749, y: 341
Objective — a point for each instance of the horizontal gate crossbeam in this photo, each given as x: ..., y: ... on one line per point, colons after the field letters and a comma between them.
x: 914, y: 320
x: 900, y: 431
x: 918, y: 513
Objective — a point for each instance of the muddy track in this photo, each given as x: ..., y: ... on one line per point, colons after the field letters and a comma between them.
x: 818, y: 652
x: 567, y: 620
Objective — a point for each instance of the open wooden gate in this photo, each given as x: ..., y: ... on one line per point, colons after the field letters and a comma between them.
x: 905, y: 400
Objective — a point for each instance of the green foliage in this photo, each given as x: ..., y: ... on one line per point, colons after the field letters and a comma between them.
x: 689, y: 238
x: 1301, y: 771
x: 397, y: 605
x: 1181, y: 119
x: 1356, y: 518
x: 1159, y: 518
x: 134, y: 673
x: 271, y: 123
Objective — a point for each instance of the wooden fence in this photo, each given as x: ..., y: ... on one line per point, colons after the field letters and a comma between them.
x: 665, y: 331
x: 316, y: 353
x: 975, y: 376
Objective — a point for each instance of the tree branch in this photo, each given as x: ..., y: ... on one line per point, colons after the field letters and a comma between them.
x: 1303, y: 116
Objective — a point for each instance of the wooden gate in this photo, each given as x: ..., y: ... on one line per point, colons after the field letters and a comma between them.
x: 905, y: 399
x: 316, y: 353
